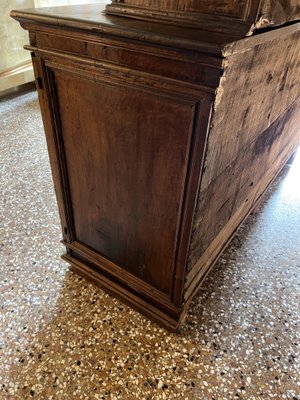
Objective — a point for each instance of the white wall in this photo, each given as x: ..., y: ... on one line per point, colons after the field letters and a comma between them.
x: 13, y: 38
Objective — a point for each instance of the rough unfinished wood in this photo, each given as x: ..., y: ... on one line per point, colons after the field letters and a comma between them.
x: 267, y: 76
x: 216, y: 7
x: 233, y: 194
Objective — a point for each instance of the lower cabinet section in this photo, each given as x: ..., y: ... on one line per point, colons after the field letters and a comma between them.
x: 160, y: 146
x: 127, y: 153
x: 126, y: 287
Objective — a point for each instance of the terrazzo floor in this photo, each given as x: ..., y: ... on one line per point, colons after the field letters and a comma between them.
x: 63, y: 338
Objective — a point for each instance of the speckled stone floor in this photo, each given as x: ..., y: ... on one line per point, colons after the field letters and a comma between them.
x: 62, y: 338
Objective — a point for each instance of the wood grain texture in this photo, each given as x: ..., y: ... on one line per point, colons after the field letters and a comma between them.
x: 161, y: 141
x: 231, y: 8
x: 51, y: 122
x: 126, y: 191
x: 227, y: 17
x: 116, y: 273
x: 277, y: 12
x: 234, y: 193
x: 211, y: 14
x: 267, y: 76
x: 185, y: 67
x: 90, y: 20
x: 197, y: 275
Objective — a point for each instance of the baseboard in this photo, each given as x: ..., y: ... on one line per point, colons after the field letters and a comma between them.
x: 16, y: 76
x: 152, y: 312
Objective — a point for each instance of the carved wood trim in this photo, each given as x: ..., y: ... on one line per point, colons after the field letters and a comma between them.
x: 216, y: 20
x: 170, y: 322
x: 196, y: 160
x: 121, y: 75
x: 50, y: 114
x: 106, y: 266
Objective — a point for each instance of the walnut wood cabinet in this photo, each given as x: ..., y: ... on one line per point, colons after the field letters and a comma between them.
x: 161, y: 138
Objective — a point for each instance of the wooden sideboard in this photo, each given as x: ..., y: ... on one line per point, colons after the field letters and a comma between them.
x: 162, y: 138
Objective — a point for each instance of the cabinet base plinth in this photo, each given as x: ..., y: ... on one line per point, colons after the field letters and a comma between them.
x: 154, y: 313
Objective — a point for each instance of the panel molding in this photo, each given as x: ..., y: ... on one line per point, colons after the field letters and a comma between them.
x: 169, y: 321
x: 111, y: 73
x: 50, y: 114
x: 195, y: 167
x: 126, y: 278
x: 189, y: 195
x: 50, y: 70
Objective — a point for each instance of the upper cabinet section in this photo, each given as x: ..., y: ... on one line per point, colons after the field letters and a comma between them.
x: 240, y: 17
x: 278, y: 12
x: 232, y: 8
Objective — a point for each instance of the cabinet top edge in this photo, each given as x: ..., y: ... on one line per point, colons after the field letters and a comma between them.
x: 91, y: 18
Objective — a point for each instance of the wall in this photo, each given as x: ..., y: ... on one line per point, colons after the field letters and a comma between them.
x: 15, y: 64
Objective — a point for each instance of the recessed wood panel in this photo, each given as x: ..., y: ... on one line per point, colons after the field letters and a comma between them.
x: 126, y: 154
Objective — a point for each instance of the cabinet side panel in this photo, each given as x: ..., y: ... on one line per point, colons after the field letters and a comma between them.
x: 254, y: 129
x: 257, y: 86
x: 234, y: 193
x: 127, y: 152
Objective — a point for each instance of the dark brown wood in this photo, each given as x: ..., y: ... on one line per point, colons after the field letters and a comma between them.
x: 240, y: 17
x: 118, y: 168
x: 161, y: 139
x: 227, y: 16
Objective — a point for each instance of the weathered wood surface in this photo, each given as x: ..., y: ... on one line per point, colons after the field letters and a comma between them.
x: 277, y: 12
x: 256, y: 89
x: 90, y: 19
x: 253, y: 13
x: 118, y: 205
x: 227, y: 16
x: 230, y: 198
x: 127, y: 109
x: 232, y: 8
